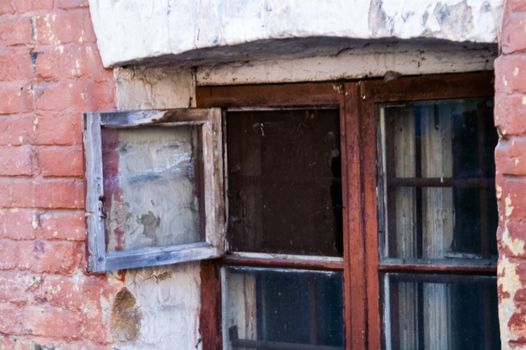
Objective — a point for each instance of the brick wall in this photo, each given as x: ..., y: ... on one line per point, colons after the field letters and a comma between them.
x: 50, y: 72
x: 510, y: 155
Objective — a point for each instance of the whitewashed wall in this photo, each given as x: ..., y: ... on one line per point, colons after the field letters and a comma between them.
x: 139, y: 30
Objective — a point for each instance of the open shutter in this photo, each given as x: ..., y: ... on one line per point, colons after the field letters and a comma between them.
x: 154, y: 187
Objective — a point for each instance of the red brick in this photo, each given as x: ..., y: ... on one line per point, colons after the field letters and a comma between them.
x: 14, y: 342
x: 56, y: 257
x: 512, y: 203
x: 15, y: 65
x: 32, y: 5
x: 66, y: 95
x: 15, y: 254
x: 514, y: 33
x: 15, y: 98
x: 6, y: 8
x: 16, y: 287
x: 16, y: 130
x: 63, y: 225
x: 510, y: 73
x: 52, y: 322
x: 60, y: 161
x: 75, y: 95
x: 510, y: 156
x: 67, y: 194
x: 15, y: 30
x: 64, y: 27
x: 11, y: 319
x: 510, y: 114
x: 16, y: 160
x: 72, y: 61
x: 18, y: 223
x: 68, y: 4
x: 516, y: 5
x: 81, y: 293
x: 58, y: 129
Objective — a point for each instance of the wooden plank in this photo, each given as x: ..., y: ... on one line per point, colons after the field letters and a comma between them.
x: 304, y: 94
x: 271, y: 345
x: 213, y: 180
x: 279, y: 262
x: 210, y: 312
x: 371, y: 221
x: 94, y: 193
x: 129, y: 119
x: 439, y: 182
x: 157, y: 256
x: 488, y: 267
x: 355, y: 257
x: 430, y: 87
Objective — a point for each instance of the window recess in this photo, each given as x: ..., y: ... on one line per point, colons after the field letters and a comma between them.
x: 154, y: 187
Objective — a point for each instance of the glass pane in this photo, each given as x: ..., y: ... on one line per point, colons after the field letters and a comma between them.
x: 284, y: 182
x: 436, y: 176
x: 152, y: 177
x: 440, y: 312
x: 266, y: 308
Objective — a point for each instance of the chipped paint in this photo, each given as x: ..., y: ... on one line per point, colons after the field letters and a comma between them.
x: 515, y: 245
x: 508, y: 209
x: 168, y: 297
x: 509, y: 284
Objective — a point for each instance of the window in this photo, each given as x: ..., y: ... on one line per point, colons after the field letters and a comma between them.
x: 356, y: 215
x: 154, y: 193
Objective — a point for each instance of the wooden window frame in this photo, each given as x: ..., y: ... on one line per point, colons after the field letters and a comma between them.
x: 209, y: 121
x: 361, y: 268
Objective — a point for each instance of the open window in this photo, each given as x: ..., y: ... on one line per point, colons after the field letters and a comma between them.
x: 154, y: 187
x: 356, y: 215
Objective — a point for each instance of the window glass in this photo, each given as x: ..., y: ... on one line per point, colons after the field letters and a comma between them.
x: 279, y: 309
x: 152, y: 181
x: 440, y: 312
x: 284, y: 182
x: 436, y: 180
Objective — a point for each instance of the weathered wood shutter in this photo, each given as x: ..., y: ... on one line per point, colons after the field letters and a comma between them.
x: 154, y: 187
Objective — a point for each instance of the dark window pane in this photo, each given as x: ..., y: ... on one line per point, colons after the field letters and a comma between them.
x: 436, y: 180
x: 271, y: 307
x: 440, y: 312
x: 152, y: 177
x: 284, y: 182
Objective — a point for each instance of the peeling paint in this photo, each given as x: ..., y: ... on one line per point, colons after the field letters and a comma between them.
x: 509, y: 284
x: 515, y: 245
x: 508, y: 210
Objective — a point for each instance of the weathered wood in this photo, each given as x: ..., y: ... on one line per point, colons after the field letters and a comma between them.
x: 156, y: 256
x: 355, y: 317
x: 430, y: 87
x: 94, y: 193
x: 210, y: 313
x: 271, y: 345
x: 440, y: 182
x: 130, y: 119
x: 479, y: 266
x: 307, y: 94
x: 209, y: 122
x: 283, y: 261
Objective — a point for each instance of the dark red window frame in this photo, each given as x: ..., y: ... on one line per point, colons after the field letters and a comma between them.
x: 356, y: 101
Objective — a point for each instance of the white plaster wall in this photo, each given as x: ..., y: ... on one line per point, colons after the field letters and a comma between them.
x: 132, y: 31
x: 168, y: 298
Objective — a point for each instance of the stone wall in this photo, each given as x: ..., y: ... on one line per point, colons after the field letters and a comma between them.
x: 510, y: 155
